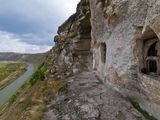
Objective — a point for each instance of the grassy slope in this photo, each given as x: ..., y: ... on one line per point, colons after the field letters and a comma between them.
x: 31, y: 99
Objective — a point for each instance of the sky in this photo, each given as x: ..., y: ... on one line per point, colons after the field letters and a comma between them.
x: 29, y: 26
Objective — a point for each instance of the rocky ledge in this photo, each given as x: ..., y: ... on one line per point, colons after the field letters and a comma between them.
x: 88, y: 98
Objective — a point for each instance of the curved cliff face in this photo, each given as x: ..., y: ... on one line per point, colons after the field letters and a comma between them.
x: 121, y: 24
x: 108, y: 36
x: 72, y: 49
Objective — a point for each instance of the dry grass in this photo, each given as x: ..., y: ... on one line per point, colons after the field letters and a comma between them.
x: 31, y: 102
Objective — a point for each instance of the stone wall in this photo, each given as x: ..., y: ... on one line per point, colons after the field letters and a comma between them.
x: 121, y: 26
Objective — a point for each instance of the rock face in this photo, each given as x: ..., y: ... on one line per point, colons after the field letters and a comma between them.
x: 114, y: 38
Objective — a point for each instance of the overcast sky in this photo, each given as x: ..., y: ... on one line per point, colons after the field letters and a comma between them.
x: 29, y: 26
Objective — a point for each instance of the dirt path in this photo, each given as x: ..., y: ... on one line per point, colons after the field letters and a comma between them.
x: 89, y: 99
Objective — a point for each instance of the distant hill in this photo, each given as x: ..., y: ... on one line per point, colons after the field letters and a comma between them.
x: 36, y: 59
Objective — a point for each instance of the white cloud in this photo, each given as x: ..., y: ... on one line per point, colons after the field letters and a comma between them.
x: 12, y: 43
x: 32, y: 23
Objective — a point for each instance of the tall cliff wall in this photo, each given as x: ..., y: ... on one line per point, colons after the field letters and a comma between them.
x: 110, y: 37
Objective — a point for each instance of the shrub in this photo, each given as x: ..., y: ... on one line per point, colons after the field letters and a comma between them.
x: 39, y: 74
x: 12, y: 99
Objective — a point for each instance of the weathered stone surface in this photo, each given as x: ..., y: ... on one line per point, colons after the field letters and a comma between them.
x: 89, y: 99
x: 123, y: 27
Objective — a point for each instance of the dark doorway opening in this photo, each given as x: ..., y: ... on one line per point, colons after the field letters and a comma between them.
x: 152, y: 66
x: 103, y: 52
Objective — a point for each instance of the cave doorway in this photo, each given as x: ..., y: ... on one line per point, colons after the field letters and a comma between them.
x: 152, y: 66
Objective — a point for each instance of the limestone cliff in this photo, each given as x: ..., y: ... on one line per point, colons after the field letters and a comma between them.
x: 72, y: 50
x: 113, y: 38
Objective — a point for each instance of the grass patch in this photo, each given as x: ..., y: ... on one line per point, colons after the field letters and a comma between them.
x: 13, y: 98
x: 36, y: 116
x: 39, y: 113
x: 3, y: 64
x: 142, y: 111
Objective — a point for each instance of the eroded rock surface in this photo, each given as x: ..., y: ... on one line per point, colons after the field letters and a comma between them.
x: 89, y: 99
x: 113, y: 38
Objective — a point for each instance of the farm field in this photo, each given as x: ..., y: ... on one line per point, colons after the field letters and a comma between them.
x: 3, y: 64
x: 10, y: 71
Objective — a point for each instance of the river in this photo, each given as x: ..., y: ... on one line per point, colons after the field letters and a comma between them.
x: 7, y: 92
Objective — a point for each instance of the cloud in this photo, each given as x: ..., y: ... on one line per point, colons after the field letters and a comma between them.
x: 11, y: 42
x: 35, y: 21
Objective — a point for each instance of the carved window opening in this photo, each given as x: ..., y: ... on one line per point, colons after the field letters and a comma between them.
x: 151, y: 53
x: 151, y: 56
x: 153, y: 49
x: 103, y: 52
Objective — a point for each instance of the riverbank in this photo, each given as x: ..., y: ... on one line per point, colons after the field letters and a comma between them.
x: 10, y: 90
x: 10, y: 71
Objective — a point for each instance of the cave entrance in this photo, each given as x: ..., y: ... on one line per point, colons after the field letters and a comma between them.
x: 152, y: 66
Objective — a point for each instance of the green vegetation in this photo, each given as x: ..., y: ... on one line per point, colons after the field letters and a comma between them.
x: 33, y: 96
x: 8, y: 68
x: 3, y: 64
x: 9, y: 72
x: 13, y: 98
x: 142, y: 111
x: 39, y: 75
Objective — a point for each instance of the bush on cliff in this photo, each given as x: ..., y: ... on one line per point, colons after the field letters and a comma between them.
x: 39, y: 74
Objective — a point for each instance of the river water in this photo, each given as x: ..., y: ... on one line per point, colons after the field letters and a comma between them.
x: 11, y: 89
